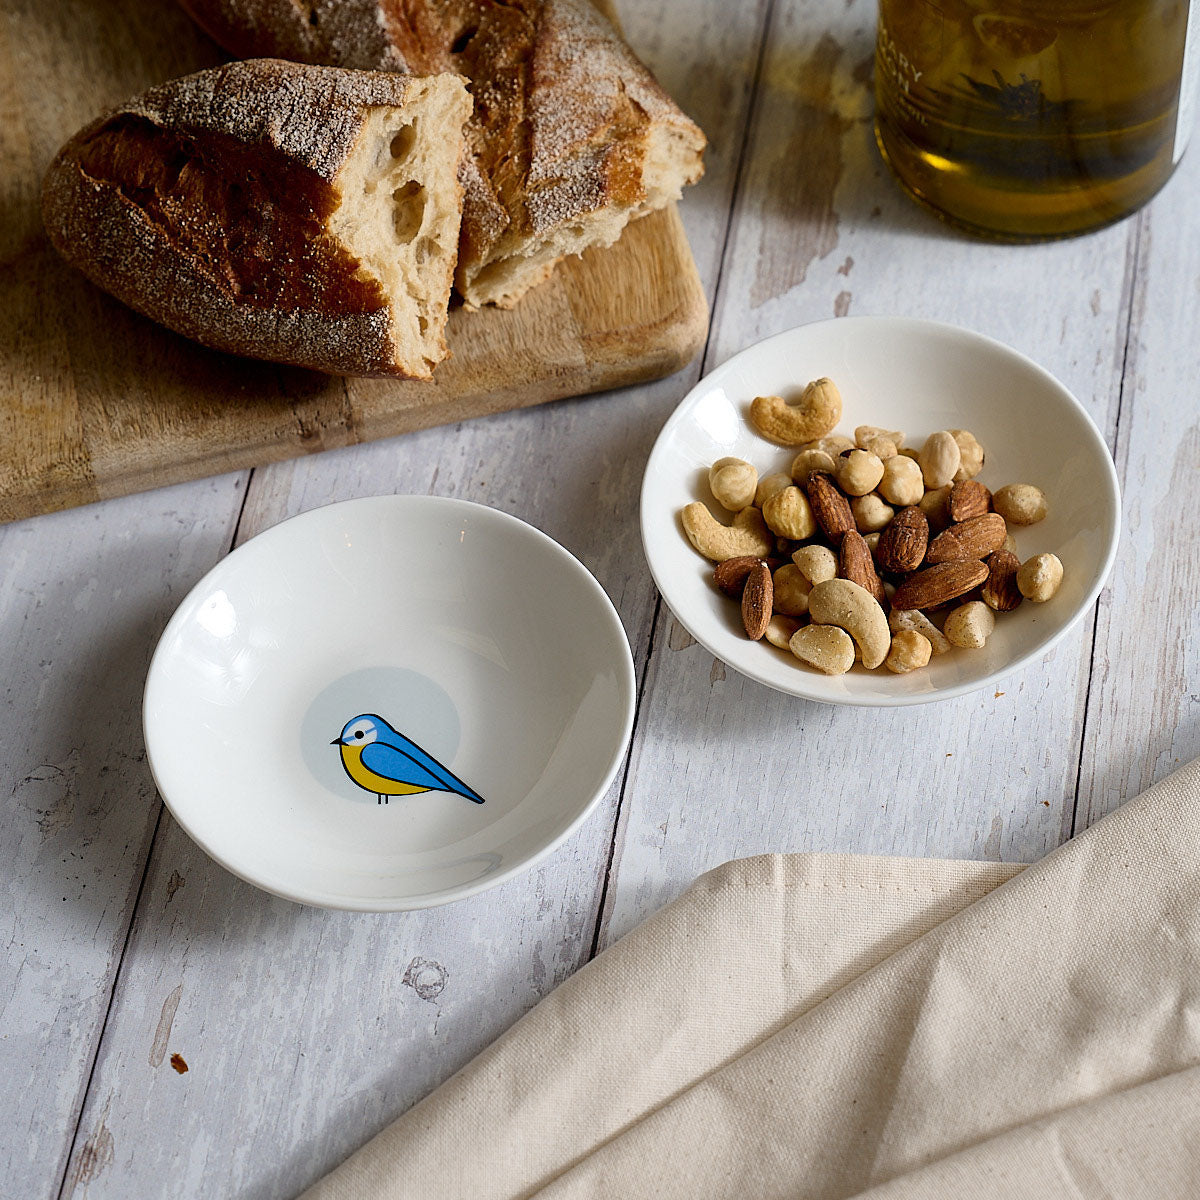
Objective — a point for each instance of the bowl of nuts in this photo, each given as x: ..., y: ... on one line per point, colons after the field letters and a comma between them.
x: 879, y: 511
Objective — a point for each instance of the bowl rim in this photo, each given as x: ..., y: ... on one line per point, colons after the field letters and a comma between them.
x: 320, y: 898
x: 805, y: 689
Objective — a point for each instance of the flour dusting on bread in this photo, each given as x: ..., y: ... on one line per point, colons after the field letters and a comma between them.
x: 269, y: 209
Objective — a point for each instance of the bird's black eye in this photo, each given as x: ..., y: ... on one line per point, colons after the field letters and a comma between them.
x: 358, y: 733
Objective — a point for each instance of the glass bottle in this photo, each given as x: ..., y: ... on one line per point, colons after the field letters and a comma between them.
x: 1024, y: 119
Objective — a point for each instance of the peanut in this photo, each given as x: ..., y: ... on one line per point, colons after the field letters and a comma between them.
x: 733, y: 482
x: 768, y: 485
x: 901, y: 483
x: 871, y: 513
x: 970, y: 625
x: 858, y: 471
x: 1038, y: 578
x: 780, y: 630
x: 788, y: 514
x: 808, y: 461
x: 970, y: 454
x: 1020, y: 503
x: 910, y: 651
x: 939, y: 459
x: 816, y: 563
x: 791, y: 591
x: 825, y: 647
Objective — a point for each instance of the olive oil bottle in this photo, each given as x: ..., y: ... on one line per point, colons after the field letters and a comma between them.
x: 1028, y: 119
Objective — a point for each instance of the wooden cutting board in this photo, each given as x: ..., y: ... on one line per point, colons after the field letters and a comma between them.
x: 96, y: 401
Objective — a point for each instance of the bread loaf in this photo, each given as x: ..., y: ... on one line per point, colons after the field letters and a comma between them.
x: 570, y: 137
x: 302, y: 214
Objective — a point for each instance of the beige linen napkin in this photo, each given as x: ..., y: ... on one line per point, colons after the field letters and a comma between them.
x: 833, y: 1026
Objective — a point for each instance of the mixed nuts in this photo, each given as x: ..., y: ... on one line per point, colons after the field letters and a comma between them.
x: 843, y: 558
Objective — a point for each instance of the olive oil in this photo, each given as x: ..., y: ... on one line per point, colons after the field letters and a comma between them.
x: 1028, y: 120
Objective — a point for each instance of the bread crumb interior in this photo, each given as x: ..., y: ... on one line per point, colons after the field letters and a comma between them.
x: 400, y: 210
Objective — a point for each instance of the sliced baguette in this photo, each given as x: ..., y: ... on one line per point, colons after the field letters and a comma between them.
x: 571, y: 138
x: 302, y: 214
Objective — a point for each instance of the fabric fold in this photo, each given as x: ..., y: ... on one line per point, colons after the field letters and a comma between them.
x: 833, y: 1026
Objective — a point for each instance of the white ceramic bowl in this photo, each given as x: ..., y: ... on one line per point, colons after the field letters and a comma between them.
x: 464, y: 630
x: 916, y: 376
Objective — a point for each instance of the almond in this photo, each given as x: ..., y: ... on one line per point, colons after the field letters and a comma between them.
x: 903, y: 543
x: 758, y: 598
x: 1001, y: 592
x: 968, y: 499
x: 975, y: 537
x: 829, y: 506
x: 856, y: 564
x: 730, y: 575
x: 937, y: 584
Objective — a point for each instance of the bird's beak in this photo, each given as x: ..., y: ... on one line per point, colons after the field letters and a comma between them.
x: 336, y: 742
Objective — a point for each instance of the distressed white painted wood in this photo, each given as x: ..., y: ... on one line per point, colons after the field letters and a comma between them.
x: 331, y: 1024
x: 1144, y: 713
x: 305, y: 1031
x: 83, y: 595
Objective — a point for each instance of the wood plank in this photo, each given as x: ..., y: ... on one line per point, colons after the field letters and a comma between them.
x: 300, y: 1031
x: 99, y: 401
x: 726, y: 767
x: 1143, y: 718
x: 83, y: 596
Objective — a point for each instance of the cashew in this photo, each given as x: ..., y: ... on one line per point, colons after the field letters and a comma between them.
x: 733, y: 482
x: 865, y: 435
x: 813, y: 415
x: 858, y: 471
x: 833, y: 444
x: 788, y: 514
x: 940, y: 457
x: 1020, y: 503
x: 825, y: 647
x: 911, y: 618
x: 816, y: 563
x: 746, y: 534
x: 852, y: 608
x: 901, y: 484
x: 791, y: 591
x: 768, y: 485
x: 936, y: 507
x: 870, y: 513
x: 910, y: 650
x: 808, y: 461
x: 1037, y: 578
x: 970, y: 454
x: 780, y: 630
x: 970, y: 625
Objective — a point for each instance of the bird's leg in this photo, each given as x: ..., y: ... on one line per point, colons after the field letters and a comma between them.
x: 378, y: 798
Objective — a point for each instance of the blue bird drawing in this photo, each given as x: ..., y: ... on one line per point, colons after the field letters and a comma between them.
x: 381, y: 760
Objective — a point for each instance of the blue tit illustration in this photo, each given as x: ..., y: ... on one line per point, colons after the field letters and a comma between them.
x: 383, y: 761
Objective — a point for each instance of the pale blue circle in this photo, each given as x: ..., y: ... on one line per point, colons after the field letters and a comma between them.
x: 407, y: 700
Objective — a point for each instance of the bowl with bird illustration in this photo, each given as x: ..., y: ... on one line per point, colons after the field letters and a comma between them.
x: 389, y: 703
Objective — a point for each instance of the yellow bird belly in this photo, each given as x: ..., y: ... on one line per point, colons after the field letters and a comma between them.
x: 367, y: 779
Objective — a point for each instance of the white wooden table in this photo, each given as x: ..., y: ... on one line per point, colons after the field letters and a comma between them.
x: 306, y: 1031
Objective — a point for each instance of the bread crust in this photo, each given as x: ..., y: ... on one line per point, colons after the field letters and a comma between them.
x: 203, y: 204
x: 562, y: 125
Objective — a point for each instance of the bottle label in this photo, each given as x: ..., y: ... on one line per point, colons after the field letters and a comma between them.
x: 1189, y: 83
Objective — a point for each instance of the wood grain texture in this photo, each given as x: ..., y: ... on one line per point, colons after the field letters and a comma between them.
x: 99, y: 401
x: 1143, y: 718
x: 82, y: 598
